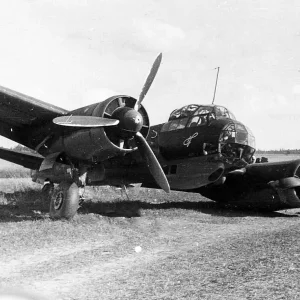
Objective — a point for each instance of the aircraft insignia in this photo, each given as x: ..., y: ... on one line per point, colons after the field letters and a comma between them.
x: 188, y: 141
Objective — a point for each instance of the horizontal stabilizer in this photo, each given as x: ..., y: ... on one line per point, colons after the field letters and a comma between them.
x: 27, y: 160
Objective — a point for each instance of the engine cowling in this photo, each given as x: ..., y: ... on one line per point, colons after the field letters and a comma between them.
x: 269, y: 186
x: 281, y: 176
x: 100, y: 143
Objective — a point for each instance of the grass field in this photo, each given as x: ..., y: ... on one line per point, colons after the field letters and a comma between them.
x: 155, y: 246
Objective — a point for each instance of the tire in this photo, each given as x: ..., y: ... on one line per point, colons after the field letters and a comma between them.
x: 64, y: 201
x: 47, y: 191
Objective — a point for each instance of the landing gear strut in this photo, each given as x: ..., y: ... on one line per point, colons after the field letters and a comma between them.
x: 64, y: 201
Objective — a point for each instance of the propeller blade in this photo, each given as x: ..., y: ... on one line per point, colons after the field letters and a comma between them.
x: 84, y: 121
x: 152, y: 162
x: 149, y: 81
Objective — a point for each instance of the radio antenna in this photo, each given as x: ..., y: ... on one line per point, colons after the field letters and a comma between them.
x: 216, y: 84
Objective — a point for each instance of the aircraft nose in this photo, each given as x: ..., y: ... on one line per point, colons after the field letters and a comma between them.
x: 237, y: 133
x: 244, y: 135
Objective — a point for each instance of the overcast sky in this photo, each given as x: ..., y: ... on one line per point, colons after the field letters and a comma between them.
x: 76, y: 52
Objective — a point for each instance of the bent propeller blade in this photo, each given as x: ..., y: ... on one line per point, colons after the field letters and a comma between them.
x: 152, y: 162
x: 149, y: 81
x: 84, y: 121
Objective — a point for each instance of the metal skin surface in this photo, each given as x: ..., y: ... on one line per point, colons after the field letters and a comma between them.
x: 71, y: 145
x: 181, y: 153
x: 200, y: 149
x: 215, y: 175
x: 267, y: 186
x: 95, y: 144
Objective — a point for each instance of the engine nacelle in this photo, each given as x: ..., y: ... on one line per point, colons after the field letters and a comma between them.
x: 282, y: 176
x: 57, y: 168
x: 271, y: 186
x: 54, y: 168
x: 100, y: 143
x: 266, y: 172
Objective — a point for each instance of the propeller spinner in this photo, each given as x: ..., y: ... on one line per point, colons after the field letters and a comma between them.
x: 129, y: 123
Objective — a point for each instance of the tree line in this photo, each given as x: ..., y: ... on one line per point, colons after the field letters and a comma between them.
x: 280, y: 151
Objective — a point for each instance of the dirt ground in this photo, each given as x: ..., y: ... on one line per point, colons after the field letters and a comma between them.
x: 152, y: 247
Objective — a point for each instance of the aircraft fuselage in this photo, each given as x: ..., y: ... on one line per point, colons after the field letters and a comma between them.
x: 193, y: 150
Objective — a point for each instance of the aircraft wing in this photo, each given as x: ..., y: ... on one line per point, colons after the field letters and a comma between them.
x: 27, y: 160
x: 19, y: 114
x: 273, y: 186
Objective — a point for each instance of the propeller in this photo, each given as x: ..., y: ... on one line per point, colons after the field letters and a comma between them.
x: 135, y: 122
x: 152, y: 162
x: 130, y: 122
x: 84, y: 121
x: 148, y: 81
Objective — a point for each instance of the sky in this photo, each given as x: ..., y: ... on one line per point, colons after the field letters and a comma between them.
x: 72, y: 53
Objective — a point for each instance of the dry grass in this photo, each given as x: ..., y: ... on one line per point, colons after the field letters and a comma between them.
x: 14, y: 173
x: 10, y: 170
x: 192, y: 248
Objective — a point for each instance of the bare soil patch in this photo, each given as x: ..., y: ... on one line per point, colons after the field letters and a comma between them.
x: 191, y: 248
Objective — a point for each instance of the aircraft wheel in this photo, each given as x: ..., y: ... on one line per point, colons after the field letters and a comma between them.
x: 48, y: 189
x: 64, y: 201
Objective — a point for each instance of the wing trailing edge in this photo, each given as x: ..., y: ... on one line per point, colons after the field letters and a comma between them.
x: 22, y: 116
x: 7, y: 95
x: 27, y: 160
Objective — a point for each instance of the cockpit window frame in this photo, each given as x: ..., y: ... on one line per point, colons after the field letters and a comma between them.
x: 225, y: 114
x: 221, y: 112
x: 193, y: 113
x: 194, y: 121
x: 191, y: 110
x: 203, y: 110
x: 176, y: 124
x: 199, y: 120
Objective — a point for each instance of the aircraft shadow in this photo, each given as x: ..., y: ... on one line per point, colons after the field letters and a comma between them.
x: 20, y: 206
x: 29, y: 205
x: 128, y: 209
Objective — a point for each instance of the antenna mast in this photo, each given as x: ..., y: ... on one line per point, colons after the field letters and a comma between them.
x: 216, y: 84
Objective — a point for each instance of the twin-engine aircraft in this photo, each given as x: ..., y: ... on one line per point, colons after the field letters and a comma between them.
x: 201, y: 149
